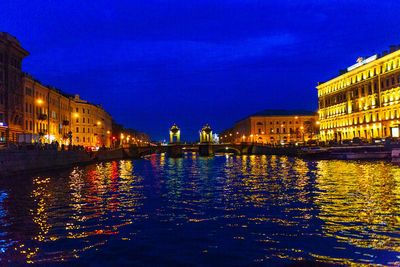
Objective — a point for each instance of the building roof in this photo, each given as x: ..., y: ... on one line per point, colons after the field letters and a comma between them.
x: 280, y: 113
x: 283, y: 112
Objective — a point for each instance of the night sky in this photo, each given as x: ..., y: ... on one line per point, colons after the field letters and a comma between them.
x: 191, y: 62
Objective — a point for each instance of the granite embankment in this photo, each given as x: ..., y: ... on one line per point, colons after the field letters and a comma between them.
x: 22, y: 161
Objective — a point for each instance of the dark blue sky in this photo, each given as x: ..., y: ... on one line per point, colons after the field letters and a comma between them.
x: 153, y: 63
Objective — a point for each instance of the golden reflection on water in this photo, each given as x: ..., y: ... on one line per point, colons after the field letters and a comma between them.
x: 360, y: 203
x: 278, y: 204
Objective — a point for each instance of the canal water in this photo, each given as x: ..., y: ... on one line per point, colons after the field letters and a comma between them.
x: 226, y: 210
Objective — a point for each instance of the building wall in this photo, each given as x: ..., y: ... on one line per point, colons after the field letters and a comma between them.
x: 11, y: 88
x: 46, y: 113
x: 91, y: 124
x: 272, y: 129
x: 50, y: 116
x: 363, y: 102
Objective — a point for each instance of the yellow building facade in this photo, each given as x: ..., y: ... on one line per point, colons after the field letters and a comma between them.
x: 273, y: 127
x: 51, y: 115
x: 91, y: 125
x: 46, y: 113
x: 363, y: 102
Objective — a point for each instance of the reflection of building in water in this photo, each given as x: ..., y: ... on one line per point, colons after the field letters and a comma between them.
x: 360, y: 198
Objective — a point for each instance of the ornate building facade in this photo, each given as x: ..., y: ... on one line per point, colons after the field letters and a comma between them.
x: 52, y: 115
x: 273, y: 127
x: 47, y: 113
x: 11, y: 88
x: 91, y: 125
x: 363, y: 101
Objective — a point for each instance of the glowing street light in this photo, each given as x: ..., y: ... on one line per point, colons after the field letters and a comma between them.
x: 39, y: 101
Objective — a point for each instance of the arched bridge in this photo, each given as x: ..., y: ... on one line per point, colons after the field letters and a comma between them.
x: 204, y: 149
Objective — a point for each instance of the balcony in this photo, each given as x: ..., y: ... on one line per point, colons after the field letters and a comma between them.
x: 42, y: 117
x: 65, y: 123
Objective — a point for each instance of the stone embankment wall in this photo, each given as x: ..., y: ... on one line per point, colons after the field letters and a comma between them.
x: 23, y: 161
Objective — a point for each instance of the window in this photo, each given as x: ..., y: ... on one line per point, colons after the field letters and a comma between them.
x: 83, y: 110
x: 83, y: 129
x: 77, y: 109
x: 83, y: 120
x: 277, y: 130
x: 387, y: 82
x: 77, y: 129
x: 84, y: 139
x: 259, y: 131
x: 77, y: 120
x: 284, y: 130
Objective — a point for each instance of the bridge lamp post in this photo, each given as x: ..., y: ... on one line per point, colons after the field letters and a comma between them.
x: 302, y: 132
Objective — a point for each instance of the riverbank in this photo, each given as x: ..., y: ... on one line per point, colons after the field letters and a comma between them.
x: 22, y: 161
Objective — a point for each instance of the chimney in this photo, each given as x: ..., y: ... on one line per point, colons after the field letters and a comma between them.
x: 392, y: 48
x: 384, y: 53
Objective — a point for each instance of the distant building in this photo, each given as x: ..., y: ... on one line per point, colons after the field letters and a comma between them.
x: 363, y: 101
x: 273, y: 127
x: 126, y: 136
x: 91, y: 125
x: 11, y: 88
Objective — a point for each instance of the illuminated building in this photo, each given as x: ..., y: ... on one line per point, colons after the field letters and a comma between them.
x: 32, y: 112
x: 363, y: 101
x: 46, y: 113
x: 11, y: 89
x: 91, y: 125
x: 273, y: 127
x: 135, y: 137
x: 50, y: 115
